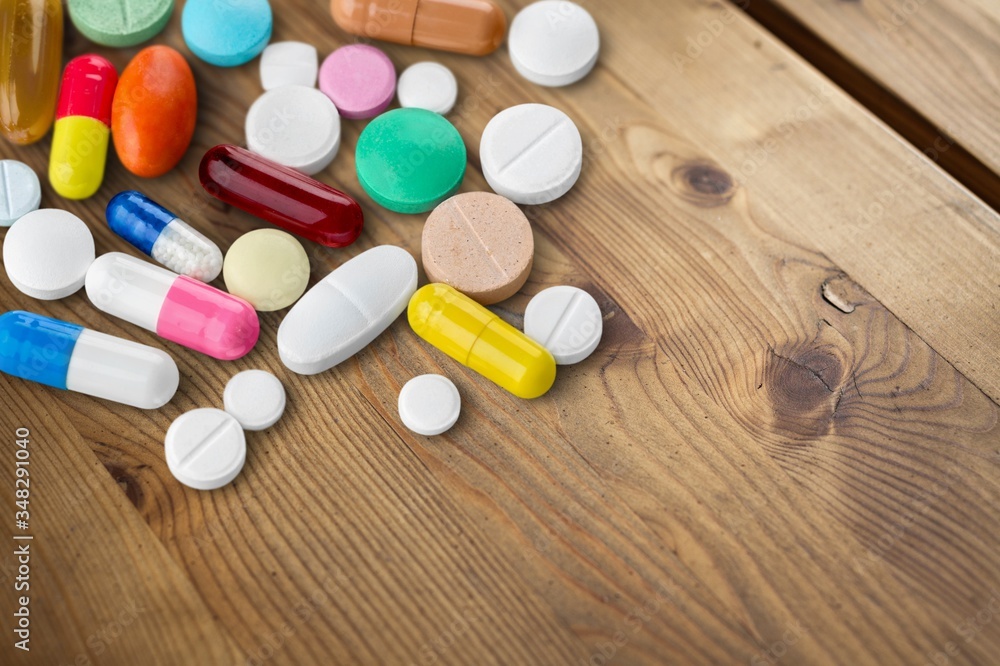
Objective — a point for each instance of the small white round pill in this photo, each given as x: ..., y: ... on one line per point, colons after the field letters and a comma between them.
x: 47, y: 253
x: 427, y: 85
x: 205, y: 448
x: 566, y: 321
x: 553, y: 42
x: 295, y: 126
x: 20, y: 191
x: 531, y: 153
x: 255, y: 398
x: 429, y: 404
x: 288, y: 64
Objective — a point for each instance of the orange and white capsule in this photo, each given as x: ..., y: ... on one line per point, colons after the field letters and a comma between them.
x: 83, y: 127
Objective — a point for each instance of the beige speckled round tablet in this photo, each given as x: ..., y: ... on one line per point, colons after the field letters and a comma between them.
x: 267, y: 268
x: 479, y: 243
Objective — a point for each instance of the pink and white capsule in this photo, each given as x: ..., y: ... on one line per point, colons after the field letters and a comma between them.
x: 175, y: 307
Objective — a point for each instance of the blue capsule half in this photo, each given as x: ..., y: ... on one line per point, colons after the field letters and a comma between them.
x: 37, y: 348
x: 160, y: 234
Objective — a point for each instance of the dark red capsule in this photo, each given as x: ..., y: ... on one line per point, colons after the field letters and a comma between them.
x: 281, y: 195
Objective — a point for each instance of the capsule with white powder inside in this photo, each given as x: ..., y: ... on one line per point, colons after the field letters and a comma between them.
x: 175, y: 307
x: 71, y: 357
x: 163, y: 236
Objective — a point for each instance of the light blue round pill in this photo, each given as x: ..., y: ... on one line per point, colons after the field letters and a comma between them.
x: 20, y: 191
x: 226, y: 33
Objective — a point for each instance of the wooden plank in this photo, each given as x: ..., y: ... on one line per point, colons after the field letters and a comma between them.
x: 101, y: 587
x: 942, y: 58
x: 744, y: 470
x: 833, y: 177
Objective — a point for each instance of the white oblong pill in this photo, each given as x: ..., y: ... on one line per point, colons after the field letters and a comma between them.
x: 20, y: 191
x: 205, y: 448
x: 288, y: 64
x: 429, y: 404
x: 553, y: 42
x: 345, y: 311
x: 427, y: 85
x: 296, y: 126
x: 565, y: 320
x: 47, y: 253
x: 531, y: 153
x: 255, y: 398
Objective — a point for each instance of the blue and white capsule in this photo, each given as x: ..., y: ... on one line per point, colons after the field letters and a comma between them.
x: 161, y: 235
x: 71, y: 357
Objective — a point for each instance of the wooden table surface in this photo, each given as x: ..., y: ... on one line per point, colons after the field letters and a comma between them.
x: 785, y: 449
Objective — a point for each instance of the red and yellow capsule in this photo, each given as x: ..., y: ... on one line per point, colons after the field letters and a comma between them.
x: 83, y: 127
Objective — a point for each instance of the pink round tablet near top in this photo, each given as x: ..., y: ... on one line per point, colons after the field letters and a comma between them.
x: 359, y: 79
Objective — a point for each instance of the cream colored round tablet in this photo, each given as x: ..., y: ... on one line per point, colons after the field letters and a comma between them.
x: 267, y: 268
x: 479, y: 243
x: 256, y: 399
x: 429, y: 404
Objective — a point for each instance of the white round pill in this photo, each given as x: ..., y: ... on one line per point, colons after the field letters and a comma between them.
x: 429, y: 404
x: 531, y: 153
x: 288, y: 64
x: 566, y: 321
x: 205, y: 448
x: 295, y: 126
x: 553, y: 42
x: 20, y: 191
x: 255, y: 398
x: 47, y: 253
x: 427, y: 85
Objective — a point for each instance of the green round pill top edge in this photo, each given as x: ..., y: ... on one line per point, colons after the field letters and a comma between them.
x: 410, y: 160
x: 122, y: 23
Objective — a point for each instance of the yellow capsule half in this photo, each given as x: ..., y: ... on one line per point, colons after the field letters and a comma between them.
x: 479, y: 339
x: 79, y: 152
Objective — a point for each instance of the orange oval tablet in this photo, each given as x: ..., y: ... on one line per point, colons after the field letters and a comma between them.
x: 154, y: 112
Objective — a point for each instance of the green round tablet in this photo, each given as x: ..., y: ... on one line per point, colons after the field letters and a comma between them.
x: 120, y: 23
x: 410, y: 160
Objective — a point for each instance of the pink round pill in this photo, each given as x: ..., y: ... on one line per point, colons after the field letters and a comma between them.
x: 359, y: 79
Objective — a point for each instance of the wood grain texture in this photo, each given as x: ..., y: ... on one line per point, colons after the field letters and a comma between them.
x: 784, y: 450
x: 942, y: 58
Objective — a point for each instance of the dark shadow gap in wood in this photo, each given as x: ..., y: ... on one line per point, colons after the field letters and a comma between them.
x: 883, y: 102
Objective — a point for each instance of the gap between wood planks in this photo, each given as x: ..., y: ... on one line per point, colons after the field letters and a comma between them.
x: 912, y: 125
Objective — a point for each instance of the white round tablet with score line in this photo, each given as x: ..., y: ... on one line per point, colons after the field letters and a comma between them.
x: 566, y: 321
x: 205, y: 448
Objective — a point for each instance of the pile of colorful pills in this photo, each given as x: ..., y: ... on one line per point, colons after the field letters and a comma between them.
x: 477, y: 247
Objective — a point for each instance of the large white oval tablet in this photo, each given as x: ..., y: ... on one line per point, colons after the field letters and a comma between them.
x: 20, y: 191
x: 429, y: 404
x: 295, y: 126
x: 553, y: 42
x: 288, y: 64
x: 344, y: 312
x: 47, y: 253
x: 531, y: 153
x: 205, y: 448
x: 255, y: 398
x: 427, y: 85
x: 566, y: 321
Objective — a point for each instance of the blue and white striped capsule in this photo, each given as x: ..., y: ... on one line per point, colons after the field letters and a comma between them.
x: 71, y: 357
x: 161, y: 235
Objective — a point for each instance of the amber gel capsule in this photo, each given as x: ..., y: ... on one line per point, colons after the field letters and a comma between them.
x: 473, y: 27
x: 30, y: 63
x: 477, y: 338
